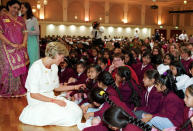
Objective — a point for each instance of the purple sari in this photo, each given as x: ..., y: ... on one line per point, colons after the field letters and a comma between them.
x: 12, y: 61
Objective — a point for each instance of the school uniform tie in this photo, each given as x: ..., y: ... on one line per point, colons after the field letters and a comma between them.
x: 146, y: 97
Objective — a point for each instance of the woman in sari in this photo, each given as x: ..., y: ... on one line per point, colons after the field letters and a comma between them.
x: 13, y: 38
x: 33, y: 32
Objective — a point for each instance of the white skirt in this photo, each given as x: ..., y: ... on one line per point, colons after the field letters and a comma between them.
x: 47, y: 113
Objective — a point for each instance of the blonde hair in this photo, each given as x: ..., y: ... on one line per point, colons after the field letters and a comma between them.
x: 54, y: 48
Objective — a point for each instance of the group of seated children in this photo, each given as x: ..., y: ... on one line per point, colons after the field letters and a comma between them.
x: 130, y: 91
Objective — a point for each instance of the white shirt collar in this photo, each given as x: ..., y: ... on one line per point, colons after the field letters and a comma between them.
x: 191, y: 109
x: 150, y: 88
x: 79, y: 74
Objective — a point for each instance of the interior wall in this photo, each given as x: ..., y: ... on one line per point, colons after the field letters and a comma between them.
x: 97, y: 11
x: 116, y: 13
x: 53, y: 10
x: 75, y: 8
x: 85, y: 30
x: 134, y: 14
x: 151, y: 16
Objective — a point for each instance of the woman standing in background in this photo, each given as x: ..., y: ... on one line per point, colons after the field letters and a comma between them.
x: 33, y: 32
x: 13, y: 37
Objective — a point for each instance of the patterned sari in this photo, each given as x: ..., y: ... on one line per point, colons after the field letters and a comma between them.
x: 13, y: 61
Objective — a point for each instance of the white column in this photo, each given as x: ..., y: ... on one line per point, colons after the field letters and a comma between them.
x: 125, y: 13
x: 86, y: 6
x: 159, y: 22
x: 65, y: 10
x: 182, y: 17
x: 107, y: 5
x: 42, y: 11
x: 143, y: 10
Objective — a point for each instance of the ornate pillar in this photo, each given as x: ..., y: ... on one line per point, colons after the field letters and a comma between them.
x: 86, y: 6
x: 125, y: 15
x: 107, y: 6
x: 42, y: 10
x: 65, y: 10
x: 143, y: 10
x: 159, y: 22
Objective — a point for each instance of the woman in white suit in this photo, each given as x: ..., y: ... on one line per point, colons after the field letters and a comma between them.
x: 44, y: 108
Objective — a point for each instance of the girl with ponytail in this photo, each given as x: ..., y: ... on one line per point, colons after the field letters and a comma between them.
x: 130, y: 93
x: 171, y: 107
x: 117, y: 118
x: 188, y: 113
x: 101, y: 99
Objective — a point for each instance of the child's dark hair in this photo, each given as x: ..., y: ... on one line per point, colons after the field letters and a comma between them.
x: 117, y: 117
x: 132, y: 60
x: 82, y: 64
x: 103, y: 60
x: 156, y: 60
x: 99, y: 96
x: 186, y: 124
x: 152, y: 74
x: 147, y: 54
x: 97, y: 68
x: 12, y: 2
x: 170, y: 56
x: 124, y: 72
x: 179, y: 67
x: 167, y: 80
x: 107, y: 79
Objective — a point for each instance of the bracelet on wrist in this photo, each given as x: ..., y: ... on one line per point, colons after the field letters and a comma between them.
x: 52, y: 100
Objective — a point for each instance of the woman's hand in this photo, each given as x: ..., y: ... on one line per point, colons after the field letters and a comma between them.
x: 147, y: 117
x: 59, y: 102
x: 88, y: 115
x: 84, y: 108
x: 111, y: 68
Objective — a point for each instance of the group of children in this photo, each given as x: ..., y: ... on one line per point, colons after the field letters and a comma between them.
x: 131, y: 88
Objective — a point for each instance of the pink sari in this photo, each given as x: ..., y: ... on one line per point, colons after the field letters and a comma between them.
x: 13, y: 61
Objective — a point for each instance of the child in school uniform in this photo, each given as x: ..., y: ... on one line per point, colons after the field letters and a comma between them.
x: 171, y: 108
x: 106, y: 54
x: 188, y: 113
x: 118, y: 119
x: 179, y: 74
x: 103, y: 63
x: 103, y: 100
x: 151, y: 99
x: 186, y: 58
x: 190, y: 81
x: 65, y: 72
x: 81, y: 75
x: 94, y: 71
x: 168, y: 59
x: 129, y: 90
x: 80, y: 78
x: 141, y: 68
x: 106, y: 82
x: 93, y: 57
x: 118, y: 60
